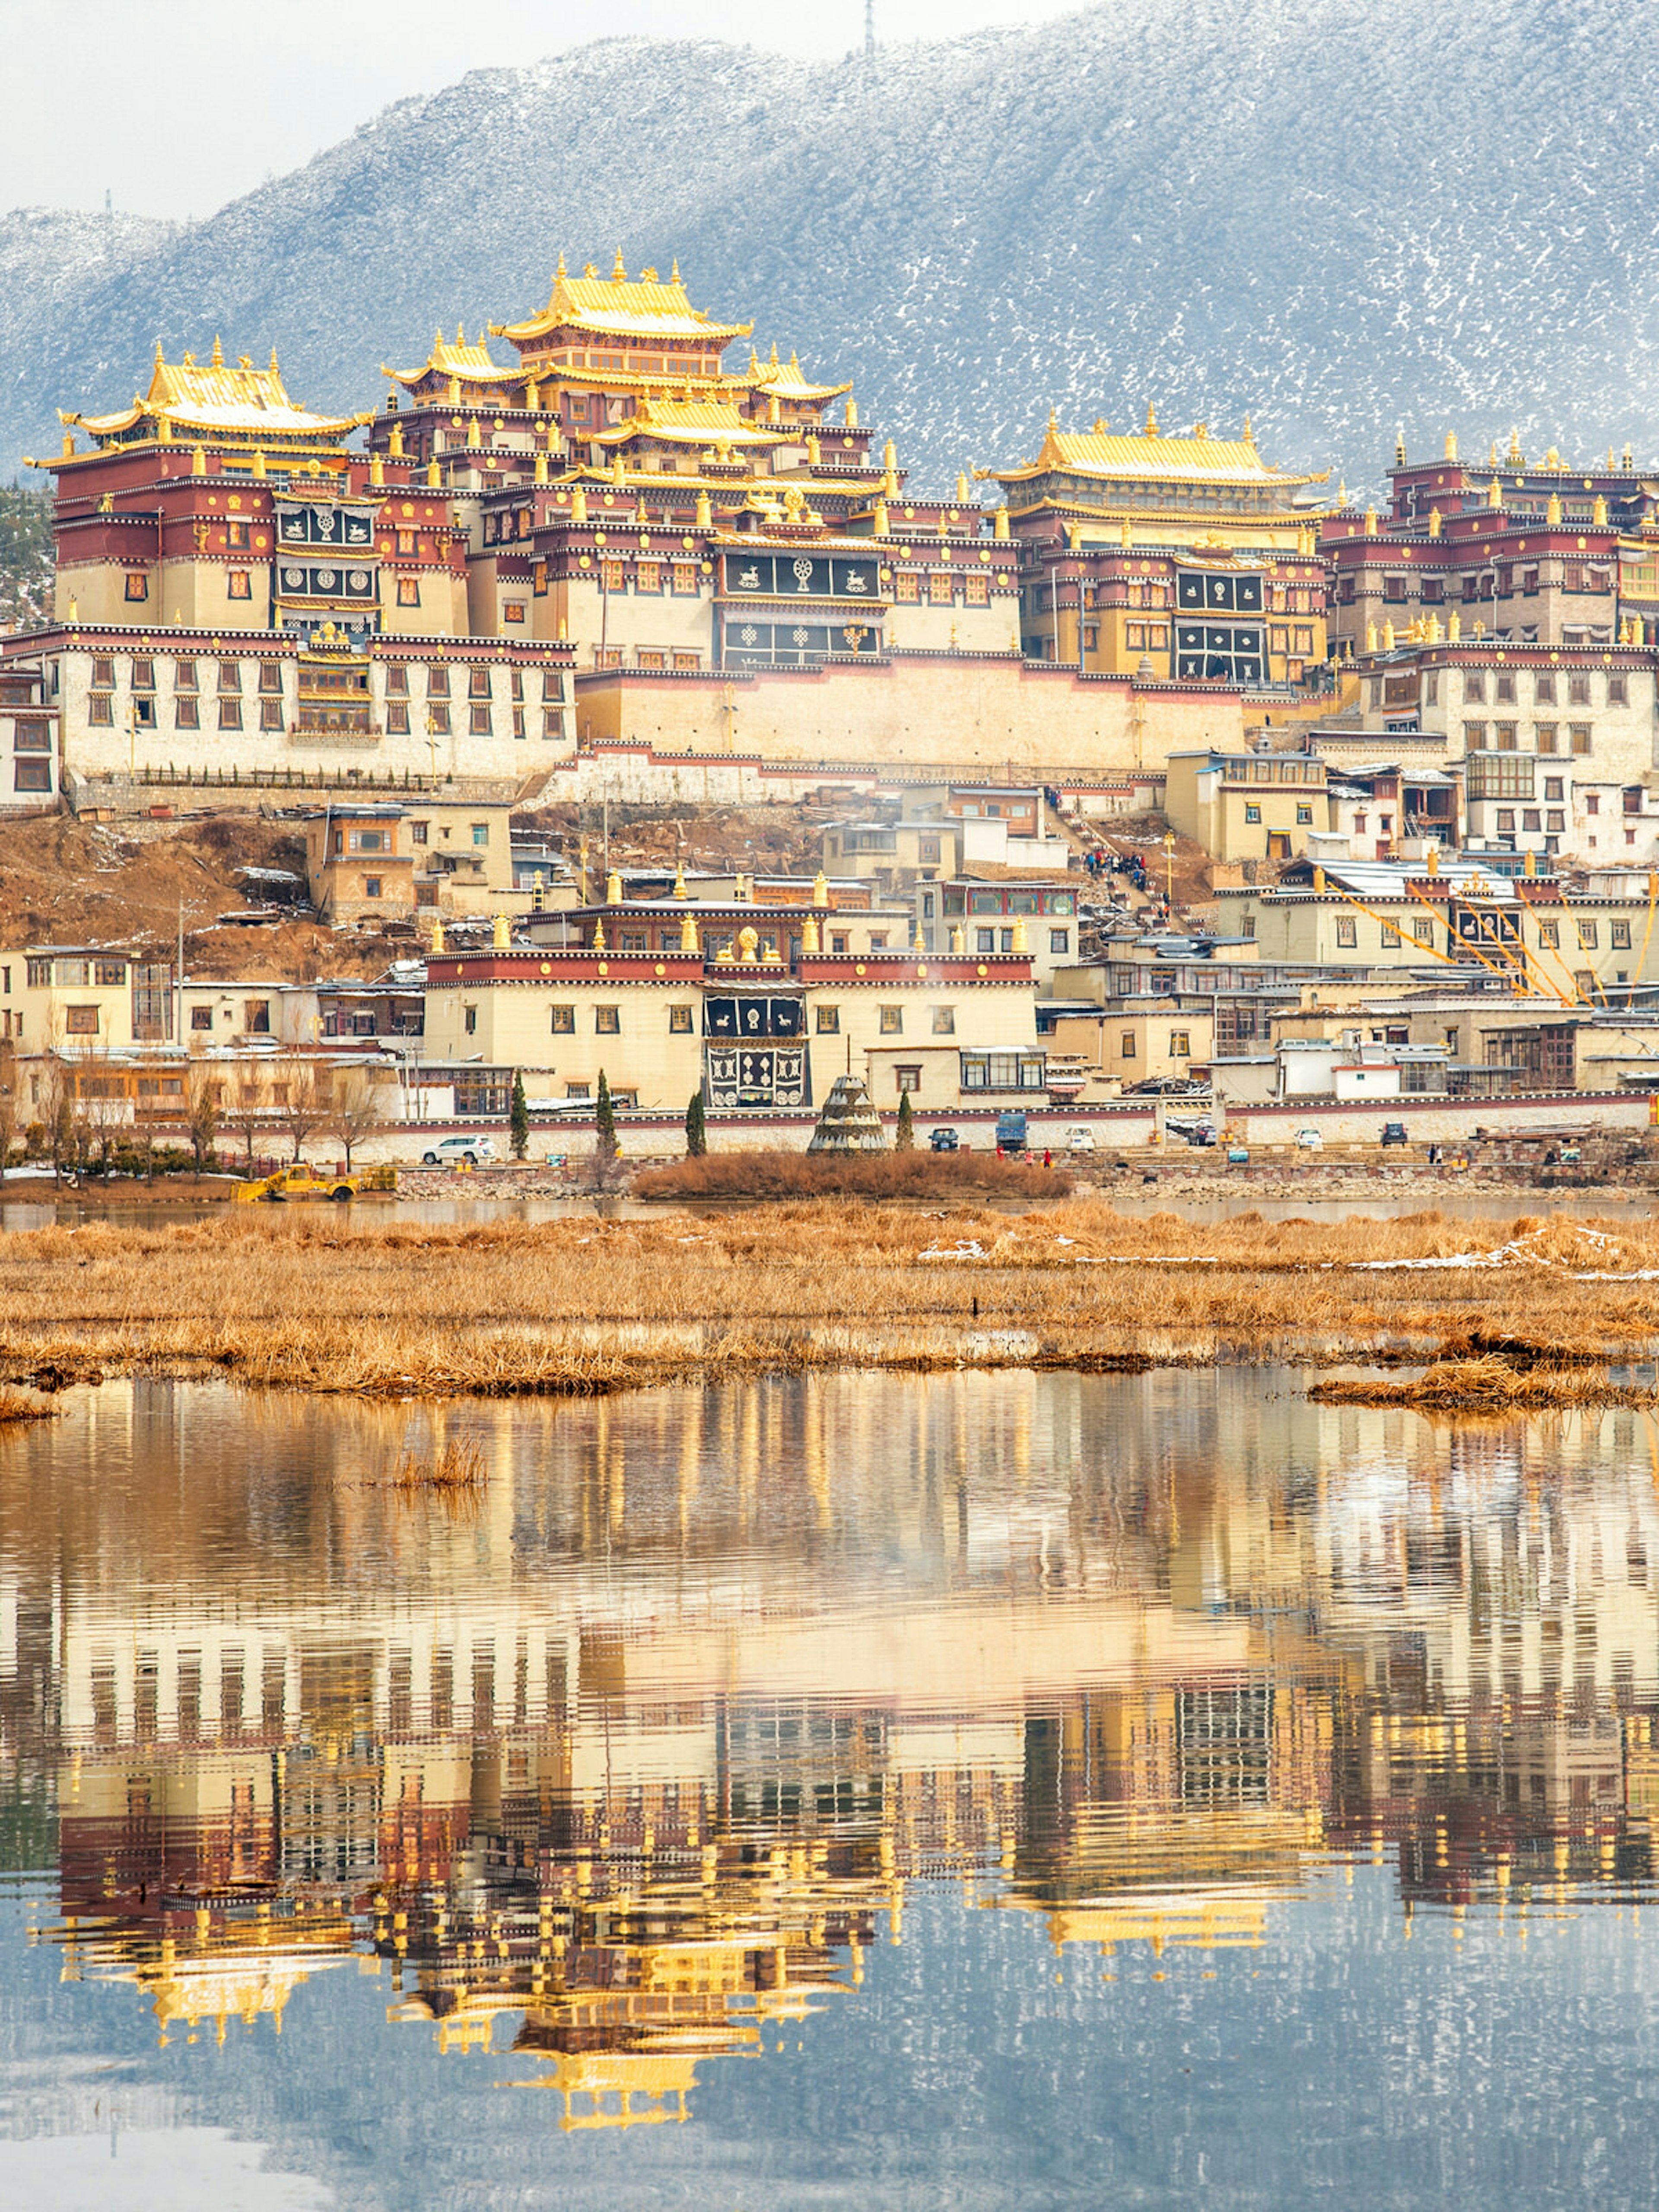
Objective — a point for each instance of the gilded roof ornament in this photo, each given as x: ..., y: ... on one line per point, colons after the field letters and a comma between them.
x: 1494, y: 494
x: 1434, y: 522
x: 1451, y: 445
x: 218, y: 360
x: 1151, y: 420
x: 619, y: 273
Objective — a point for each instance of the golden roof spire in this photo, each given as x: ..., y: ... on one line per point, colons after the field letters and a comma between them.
x: 1054, y: 420
x: 705, y: 512
x: 273, y: 360
x: 774, y: 361
x: 1250, y: 435
x: 1494, y: 494
x: 1552, y: 512
x: 1151, y: 420
x: 851, y: 413
x: 460, y: 334
x: 1000, y: 527
x: 218, y: 352
x: 1399, y: 449
x: 158, y: 352
x: 1451, y: 445
x: 560, y: 270
x: 619, y: 274
x: 674, y: 270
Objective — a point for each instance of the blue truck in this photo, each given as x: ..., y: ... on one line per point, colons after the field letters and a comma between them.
x: 1010, y: 1133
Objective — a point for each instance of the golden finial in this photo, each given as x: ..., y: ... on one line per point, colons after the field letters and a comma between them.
x: 160, y: 361
x: 499, y: 937
x: 853, y: 415
x: 460, y: 336
x: 688, y: 935
x: 1494, y: 494
x: 436, y: 940
x: 218, y: 357
x: 579, y: 505
x: 474, y: 433
x: 1342, y: 492
x: 1451, y: 445
x: 1371, y: 637
x: 619, y: 274
x: 541, y: 468
x: 198, y: 460
x: 821, y: 889
x: 774, y: 361
x: 1514, y: 448
x: 258, y: 460
x: 809, y: 933
x: 1370, y: 522
x: 1074, y: 536
x: 1454, y: 627
x: 958, y: 939
x: 599, y: 936
x: 1434, y: 522
x: 640, y: 514
x: 1599, y: 512
x: 1552, y: 511
x: 1400, y: 450
x: 1000, y: 527
x: 273, y: 360
x: 1022, y: 936
x: 879, y: 521
x: 961, y: 488
x: 1151, y: 420
x: 1529, y: 865
x: 679, y: 879
x: 376, y: 470
x: 613, y: 888
x: 590, y: 268
x: 564, y: 631
x: 814, y: 450
x: 1126, y: 535
x: 1492, y: 456
x: 434, y: 477
x: 558, y: 274
x: 1433, y: 635
x: 1250, y: 435
x: 68, y: 443
x: 705, y: 512
x: 674, y: 270
x: 1388, y: 634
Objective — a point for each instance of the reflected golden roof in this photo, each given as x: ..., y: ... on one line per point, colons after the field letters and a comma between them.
x: 1198, y: 459
x: 240, y: 402
x: 619, y: 306
x: 690, y: 422
x: 471, y: 364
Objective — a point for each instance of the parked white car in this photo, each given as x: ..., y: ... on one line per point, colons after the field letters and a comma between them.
x: 1079, y: 1140
x: 1309, y: 1140
x: 476, y: 1152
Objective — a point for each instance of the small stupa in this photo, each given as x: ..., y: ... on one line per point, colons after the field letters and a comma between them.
x: 849, y: 1122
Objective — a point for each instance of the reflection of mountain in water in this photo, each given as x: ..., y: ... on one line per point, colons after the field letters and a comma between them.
x: 646, y: 1753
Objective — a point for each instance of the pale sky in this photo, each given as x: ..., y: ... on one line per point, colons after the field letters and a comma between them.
x: 175, y: 107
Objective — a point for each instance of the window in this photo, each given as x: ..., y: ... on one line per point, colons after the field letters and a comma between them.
x: 1618, y: 691
x: 1346, y: 930
x: 478, y: 722
x: 1507, y: 687
x: 1505, y: 820
x: 408, y: 592
x: 186, y: 715
x: 607, y: 1021
x: 907, y: 588
x: 1304, y: 814
x: 986, y: 940
x: 612, y: 576
x: 201, y: 1017
x: 1180, y: 1044
x: 478, y: 684
x: 397, y: 717
x: 941, y: 588
x: 1592, y: 803
x: 1394, y: 589
x: 685, y: 579
x: 138, y: 584
x: 1543, y: 688
x: 238, y: 585
x: 469, y: 1020
x: 1554, y: 820
x: 81, y: 1021
x: 1531, y: 818
x: 892, y: 1021
x: 437, y: 719
x: 143, y: 675
x: 100, y: 710
x: 1555, y: 786
x: 579, y: 1090
x: 183, y: 677
x: 1125, y: 1045
x: 829, y: 1021
x: 513, y: 611
x: 1422, y: 929
x: 1503, y: 734
x: 1589, y: 935
x: 976, y: 590
x: 371, y: 887
x: 480, y: 833
x: 906, y: 1079
x: 437, y: 684
x: 271, y: 713
x: 1475, y: 737
x: 1546, y: 737
x: 1621, y: 938
x: 31, y: 775
x: 648, y: 576
x: 944, y: 1021
x: 1252, y: 813
x: 1059, y: 940
x: 1474, y: 686
x: 1578, y: 690
x: 1581, y: 737
x: 679, y: 1021
x: 562, y: 1020
x: 230, y: 713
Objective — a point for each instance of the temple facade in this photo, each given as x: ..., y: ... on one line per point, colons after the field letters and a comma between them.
x: 1189, y: 556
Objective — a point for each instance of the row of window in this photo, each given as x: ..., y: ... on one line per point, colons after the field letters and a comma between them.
x: 1505, y: 737
x: 187, y: 676
x: 1180, y: 1045
x: 942, y: 588
x: 607, y: 1020
x: 1500, y: 684
x: 1419, y: 929
x: 1479, y: 584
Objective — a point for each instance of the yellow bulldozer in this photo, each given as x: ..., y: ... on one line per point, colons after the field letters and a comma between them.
x: 304, y: 1181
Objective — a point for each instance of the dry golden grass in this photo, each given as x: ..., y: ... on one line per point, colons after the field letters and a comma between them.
x: 922, y: 1177
x: 1487, y: 1385
x: 411, y: 1310
x: 455, y: 1465
x: 19, y: 1406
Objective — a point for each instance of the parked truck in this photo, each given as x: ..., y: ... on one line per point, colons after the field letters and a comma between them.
x: 304, y: 1181
x: 1010, y: 1133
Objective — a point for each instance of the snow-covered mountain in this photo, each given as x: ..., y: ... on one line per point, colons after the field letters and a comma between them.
x: 1335, y: 215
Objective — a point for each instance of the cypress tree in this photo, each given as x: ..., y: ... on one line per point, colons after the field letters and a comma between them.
x: 604, y: 1122
x: 518, y: 1123
x: 696, y: 1135
x: 904, y: 1136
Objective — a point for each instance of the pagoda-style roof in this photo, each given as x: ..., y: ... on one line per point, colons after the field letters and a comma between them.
x: 787, y: 382
x: 690, y: 422
x: 471, y: 364
x: 619, y: 306
x: 1151, y: 458
x: 243, y: 404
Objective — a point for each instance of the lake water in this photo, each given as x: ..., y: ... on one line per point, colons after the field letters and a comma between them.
x: 851, y: 1792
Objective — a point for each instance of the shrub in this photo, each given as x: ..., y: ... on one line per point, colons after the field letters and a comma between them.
x: 847, y: 1175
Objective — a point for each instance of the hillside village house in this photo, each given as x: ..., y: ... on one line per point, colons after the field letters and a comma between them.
x: 367, y: 859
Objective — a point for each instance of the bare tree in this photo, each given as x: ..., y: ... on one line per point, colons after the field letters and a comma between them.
x: 248, y: 1115
x: 356, y: 1113
x: 8, y: 1100
x: 302, y: 1100
x: 204, y: 1100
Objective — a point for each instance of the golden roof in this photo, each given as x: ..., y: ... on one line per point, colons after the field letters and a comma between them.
x: 690, y: 422
x: 1199, y: 459
x: 241, y: 403
x: 470, y: 362
x: 788, y: 382
x: 616, y: 307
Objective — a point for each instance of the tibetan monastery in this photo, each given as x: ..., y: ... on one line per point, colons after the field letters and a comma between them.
x: 1188, y: 553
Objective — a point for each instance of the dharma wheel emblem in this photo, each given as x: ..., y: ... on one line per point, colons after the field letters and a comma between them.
x: 803, y: 573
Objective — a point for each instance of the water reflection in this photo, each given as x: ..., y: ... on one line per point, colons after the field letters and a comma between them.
x: 631, y: 1768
